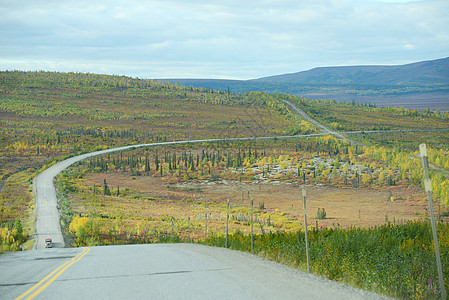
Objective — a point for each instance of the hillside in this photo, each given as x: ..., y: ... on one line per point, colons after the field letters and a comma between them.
x: 425, y: 72
x: 418, y: 85
x: 46, y: 116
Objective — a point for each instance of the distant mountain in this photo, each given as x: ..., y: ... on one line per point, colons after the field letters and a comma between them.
x: 425, y: 72
x: 416, y: 85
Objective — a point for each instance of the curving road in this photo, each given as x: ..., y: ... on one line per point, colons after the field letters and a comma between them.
x: 47, y: 223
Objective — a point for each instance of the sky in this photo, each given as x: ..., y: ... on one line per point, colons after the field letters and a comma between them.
x: 230, y: 39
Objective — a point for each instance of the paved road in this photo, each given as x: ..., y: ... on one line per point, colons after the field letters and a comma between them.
x: 307, y: 118
x: 47, y: 215
x: 160, y: 271
x: 324, y: 129
x: 148, y: 271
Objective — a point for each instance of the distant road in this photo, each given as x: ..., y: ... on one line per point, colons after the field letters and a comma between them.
x: 307, y: 118
x: 159, y: 271
x: 341, y: 135
x: 326, y: 130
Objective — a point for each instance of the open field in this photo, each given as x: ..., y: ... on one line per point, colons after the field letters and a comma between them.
x: 344, y: 207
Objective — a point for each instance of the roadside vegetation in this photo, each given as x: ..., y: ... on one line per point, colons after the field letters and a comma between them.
x: 367, y: 207
x: 393, y: 260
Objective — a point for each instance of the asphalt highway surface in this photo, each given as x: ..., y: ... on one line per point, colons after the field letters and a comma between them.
x: 159, y: 271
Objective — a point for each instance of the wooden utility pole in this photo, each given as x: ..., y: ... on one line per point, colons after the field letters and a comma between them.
x: 188, y: 229
x: 227, y: 222
x: 305, y: 228
x: 428, y: 188
x: 252, y: 235
x: 171, y: 235
x: 205, y: 231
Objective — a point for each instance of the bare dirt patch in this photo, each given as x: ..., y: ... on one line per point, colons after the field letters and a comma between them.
x: 344, y: 207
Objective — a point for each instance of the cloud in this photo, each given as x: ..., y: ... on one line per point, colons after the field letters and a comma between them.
x: 409, y: 47
x: 218, y: 38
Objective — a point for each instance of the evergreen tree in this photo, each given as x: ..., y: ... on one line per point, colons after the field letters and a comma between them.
x: 105, y: 188
x: 18, y: 226
x: 156, y: 162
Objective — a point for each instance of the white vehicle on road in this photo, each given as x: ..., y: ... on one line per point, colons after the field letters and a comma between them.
x: 48, y: 243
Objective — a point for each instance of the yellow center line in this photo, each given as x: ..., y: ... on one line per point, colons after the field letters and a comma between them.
x: 52, y: 276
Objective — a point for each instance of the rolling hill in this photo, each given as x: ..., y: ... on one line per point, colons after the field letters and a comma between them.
x: 425, y: 72
x: 417, y: 85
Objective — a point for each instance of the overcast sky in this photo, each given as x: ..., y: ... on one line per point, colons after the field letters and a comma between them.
x: 238, y: 39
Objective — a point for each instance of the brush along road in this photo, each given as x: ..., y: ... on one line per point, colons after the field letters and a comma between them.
x: 159, y: 271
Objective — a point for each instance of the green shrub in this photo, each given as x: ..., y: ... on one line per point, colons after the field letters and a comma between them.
x: 394, y: 260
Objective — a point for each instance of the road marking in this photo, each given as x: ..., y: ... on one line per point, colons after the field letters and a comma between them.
x: 52, y: 276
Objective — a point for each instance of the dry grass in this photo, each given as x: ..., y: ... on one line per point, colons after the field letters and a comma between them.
x: 150, y: 200
x: 346, y: 207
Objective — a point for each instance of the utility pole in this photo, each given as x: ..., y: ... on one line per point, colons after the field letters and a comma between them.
x: 252, y: 235
x: 227, y: 223
x: 305, y: 228
x: 205, y: 231
x: 428, y: 188
x: 171, y: 235
x: 188, y: 229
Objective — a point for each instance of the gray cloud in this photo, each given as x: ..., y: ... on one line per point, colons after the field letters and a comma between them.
x: 227, y: 39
